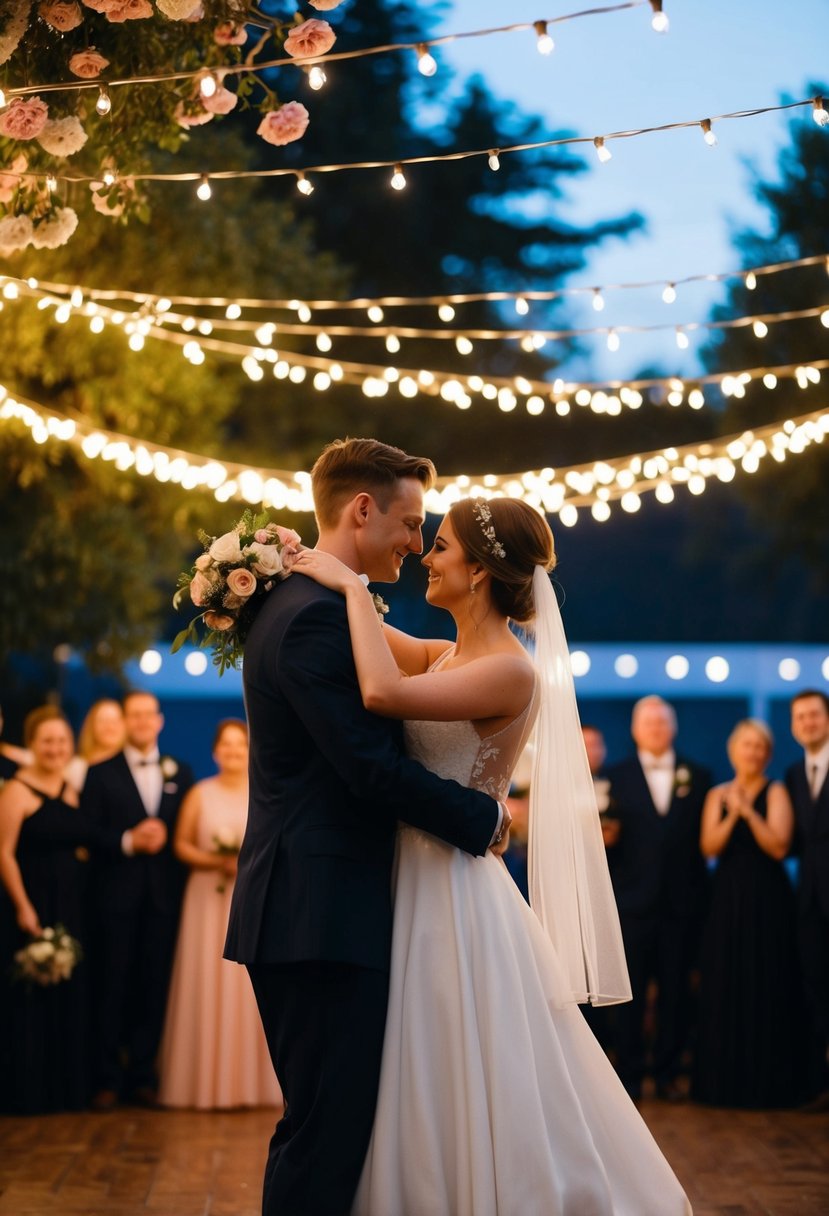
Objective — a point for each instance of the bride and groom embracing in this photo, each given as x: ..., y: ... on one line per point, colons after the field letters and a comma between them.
x: 422, y: 1020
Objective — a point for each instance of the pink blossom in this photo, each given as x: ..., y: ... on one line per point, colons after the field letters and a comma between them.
x: 111, y: 200
x: 324, y: 6
x: 313, y: 37
x: 24, y: 119
x: 62, y: 15
x: 129, y: 10
x: 187, y: 114
x: 200, y: 588
x: 284, y: 125
x: 288, y: 537
x: 87, y: 64
x: 8, y: 182
x: 204, y: 561
x: 241, y: 582
x: 222, y: 101
x: 230, y: 33
x: 219, y: 620
x: 55, y: 230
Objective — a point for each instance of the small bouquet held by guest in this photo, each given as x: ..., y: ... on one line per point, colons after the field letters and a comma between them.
x: 229, y: 581
x: 49, y: 958
x: 226, y: 844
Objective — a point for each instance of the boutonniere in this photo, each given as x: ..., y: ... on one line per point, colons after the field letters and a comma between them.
x: 380, y: 605
x: 169, y: 767
x: 682, y: 781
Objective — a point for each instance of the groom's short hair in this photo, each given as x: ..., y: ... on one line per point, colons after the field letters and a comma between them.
x: 348, y: 467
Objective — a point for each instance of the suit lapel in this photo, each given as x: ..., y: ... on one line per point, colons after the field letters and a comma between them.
x: 131, y: 791
x: 644, y: 791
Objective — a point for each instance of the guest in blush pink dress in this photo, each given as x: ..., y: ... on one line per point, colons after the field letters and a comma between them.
x: 213, y: 1053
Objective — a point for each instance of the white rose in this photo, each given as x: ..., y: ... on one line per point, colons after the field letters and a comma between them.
x: 267, y: 559
x: 41, y: 951
x: 169, y: 768
x: 226, y: 548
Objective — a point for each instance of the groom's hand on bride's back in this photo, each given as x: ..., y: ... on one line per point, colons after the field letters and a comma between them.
x: 500, y: 841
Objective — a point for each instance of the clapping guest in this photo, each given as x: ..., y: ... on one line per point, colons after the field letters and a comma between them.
x: 750, y: 1012
x: 43, y: 1053
x: 101, y: 735
x: 213, y: 1052
x: 137, y: 897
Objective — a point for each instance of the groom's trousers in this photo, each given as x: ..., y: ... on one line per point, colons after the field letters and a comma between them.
x: 324, y: 1024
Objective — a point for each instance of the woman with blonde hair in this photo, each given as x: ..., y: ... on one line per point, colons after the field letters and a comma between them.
x: 101, y: 736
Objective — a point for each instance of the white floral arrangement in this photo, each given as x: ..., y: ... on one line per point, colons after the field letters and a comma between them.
x: 682, y: 781
x: 227, y: 844
x: 48, y: 958
x: 229, y: 581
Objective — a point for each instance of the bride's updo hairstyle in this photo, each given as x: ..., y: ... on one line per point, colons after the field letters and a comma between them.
x: 509, y: 539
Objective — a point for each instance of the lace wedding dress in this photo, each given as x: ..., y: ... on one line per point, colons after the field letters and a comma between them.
x: 495, y: 1098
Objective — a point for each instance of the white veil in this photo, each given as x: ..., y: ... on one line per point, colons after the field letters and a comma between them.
x: 570, y: 888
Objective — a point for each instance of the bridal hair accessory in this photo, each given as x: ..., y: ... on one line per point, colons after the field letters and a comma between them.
x: 229, y: 581
x: 481, y: 511
x: 570, y: 889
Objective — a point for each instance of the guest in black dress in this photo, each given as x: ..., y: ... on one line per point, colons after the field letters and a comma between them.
x: 43, y: 866
x: 749, y: 1051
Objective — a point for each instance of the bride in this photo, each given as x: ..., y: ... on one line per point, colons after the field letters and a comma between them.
x: 495, y: 1098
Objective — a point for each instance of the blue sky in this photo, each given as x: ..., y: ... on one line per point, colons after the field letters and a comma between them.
x: 612, y: 72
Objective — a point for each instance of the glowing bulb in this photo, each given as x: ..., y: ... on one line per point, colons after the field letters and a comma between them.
x: 233, y: 312
x: 604, y: 154
x: 751, y: 280
x: 398, y: 180
x: 208, y: 85
x: 203, y: 190
x: 463, y: 346
x: 598, y: 300
x: 760, y: 329
x: 446, y: 312
x: 96, y: 324
x: 392, y: 344
x: 324, y: 343
x: 303, y: 185
x: 51, y: 183
x: 613, y: 342
x: 109, y: 177
x: 426, y: 63
x: 669, y: 294
x: 316, y: 78
x: 659, y: 20
x: 521, y: 306
x: 494, y: 161
x: 375, y: 314
x: 819, y: 112
x: 104, y: 103
x: 545, y: 43
x: 682, y: 339
x: 707, y: 134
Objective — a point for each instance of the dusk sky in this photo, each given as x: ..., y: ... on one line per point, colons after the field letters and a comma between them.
x: 612, y: 72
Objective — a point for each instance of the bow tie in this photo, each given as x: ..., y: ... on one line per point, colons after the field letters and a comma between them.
x: 659, y: 766
x: 143, y: 763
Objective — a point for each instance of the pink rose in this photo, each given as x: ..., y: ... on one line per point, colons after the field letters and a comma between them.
x: 203, y: 562
x: 8, y: 182
x: 313, y: 37
x: 87, y: 64
x: 219, y: 620
x: 191, y: 114
x: 230, y: 33
x: 324, y: 6
x: 284, y: 125
x: 290, y: 539
x: 222, y: 101
x: 24, y: 119
x: 200, y: 588
x: 241, y: 582
x: 62, y: 15
x: 262, y: 535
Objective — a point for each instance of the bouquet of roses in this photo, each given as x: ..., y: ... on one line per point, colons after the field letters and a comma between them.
x: 229, y: 582
x: 49, y: 958
x: 226, y: 844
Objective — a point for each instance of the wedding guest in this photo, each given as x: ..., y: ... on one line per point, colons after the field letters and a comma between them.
x: 100, y: 737
x: 11, y: 756
x: 596, y: 749
x: 44, y: 1047
x: 808, y: 788
x: 659, y: 879
x: 213, y: 1051
x: 137, y: 896
x: 750, y: 1035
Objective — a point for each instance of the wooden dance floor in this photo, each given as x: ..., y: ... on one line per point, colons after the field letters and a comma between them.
x: 135, y: 1162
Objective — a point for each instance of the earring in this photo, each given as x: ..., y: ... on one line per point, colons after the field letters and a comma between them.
x: 472, y: 588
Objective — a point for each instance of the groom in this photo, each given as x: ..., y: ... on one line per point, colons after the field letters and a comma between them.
x: 311, y: 916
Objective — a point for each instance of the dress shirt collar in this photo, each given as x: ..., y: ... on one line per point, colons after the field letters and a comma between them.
x: 651, y: 763
x: 137, y: 759
x: 821, y: 759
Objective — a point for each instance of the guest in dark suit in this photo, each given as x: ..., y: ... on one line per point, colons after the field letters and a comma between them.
x: 809, y: 791
x: 311, y: 914
x: 137, y: 896
x: 659, y: 879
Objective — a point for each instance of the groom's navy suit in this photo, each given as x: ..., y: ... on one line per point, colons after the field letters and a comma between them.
x: 311, y: 915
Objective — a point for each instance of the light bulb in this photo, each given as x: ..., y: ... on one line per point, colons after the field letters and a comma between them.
x: 819, y: 112
x: 598, y: 300
x: 604, y: 154
x: 316, y: 78
x: 545, y: 43
x: 446, y: 312
x: 426, y: 63
x: 659, y: 20
x: 109, y: 177
x: 707, y: 134
x: 669, y: 294
x: 521, y: 306
x: 494, y: 161
x: 375, y: 314
x: 51, y: 183
x: 303, y: 185
x: 613, y: 342
x: 203, y: 190
x: 208, y: 85
x: 751, y: 280
x: 682, y: 339
x: 104, y: 103
x: 398, y: 180
x: 760, y: 329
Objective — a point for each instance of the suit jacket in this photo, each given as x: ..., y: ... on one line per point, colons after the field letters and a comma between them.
x: 811, y: 839
x: 328, y: 783
x: 657, y: 867
x: 124, y: 884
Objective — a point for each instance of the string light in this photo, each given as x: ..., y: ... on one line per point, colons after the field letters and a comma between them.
x: 682, y: 339
x: 659, y: 20
x: 598, y: 300
x: 208, y: 85
x: 604, y: 154
x: 426, y: 62
x: 760, y: 329
x: 316, y: 78
x: 521, y: 306
x: 302, y: 184
x: 544, y: 42
x: 669, y: 294
x: 104, y: 103
x: 819, y: 112
x: 707, y: 134
x: 398, y: 179
x: 446, y: 312
x: 613, y: 340
x: 494, y: 160
x: 51, y: 183
x: 203, y: 190
x: 751, y: 280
